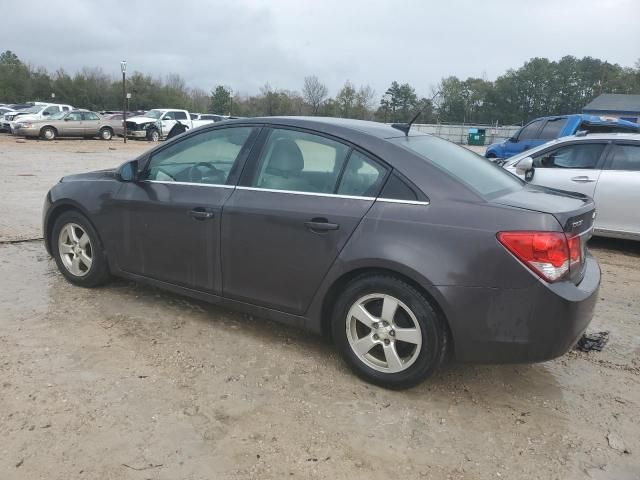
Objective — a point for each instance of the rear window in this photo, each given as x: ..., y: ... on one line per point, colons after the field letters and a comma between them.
x: 478, y: 173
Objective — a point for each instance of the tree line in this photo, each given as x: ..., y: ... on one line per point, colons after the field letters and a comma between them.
x: 540, y: 87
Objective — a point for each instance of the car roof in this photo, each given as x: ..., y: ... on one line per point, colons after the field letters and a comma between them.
x: 589, y: 137
x: 376, y: 129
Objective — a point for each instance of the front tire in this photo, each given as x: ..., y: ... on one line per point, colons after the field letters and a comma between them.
x: 154, y: 135
x: 78, y: 251
x: 388, y: 332
x: 48, y: 133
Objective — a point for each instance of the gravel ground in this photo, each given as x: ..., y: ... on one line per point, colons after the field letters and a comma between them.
x: 128, y: 382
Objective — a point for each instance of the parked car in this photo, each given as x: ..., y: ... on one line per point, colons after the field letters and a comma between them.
x: 77, y: 123
x: 605, y: 166
x: 403, y: 248
x: 157, y: 123
x: 36, y: 112
x: 13, y: 109
x: 541, y: 130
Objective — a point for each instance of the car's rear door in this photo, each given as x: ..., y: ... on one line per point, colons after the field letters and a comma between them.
x: 574, y: 167
x: 169, y: 221
x: 297, y: 204
x: 617, y: 193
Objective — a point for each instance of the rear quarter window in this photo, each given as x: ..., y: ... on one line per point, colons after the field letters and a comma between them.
x: 474, y: 171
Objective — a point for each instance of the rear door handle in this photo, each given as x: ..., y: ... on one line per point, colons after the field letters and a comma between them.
x: 321, y: 225
x: 582, y: 179
x: 200, y: 213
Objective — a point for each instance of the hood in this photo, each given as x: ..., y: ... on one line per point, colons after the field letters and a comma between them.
x: 141, y: 119
x: 28, y: 118
x: 108, y: 174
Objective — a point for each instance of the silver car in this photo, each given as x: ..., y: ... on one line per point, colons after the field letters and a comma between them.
x: 77, y: 123
x: 604, y: 166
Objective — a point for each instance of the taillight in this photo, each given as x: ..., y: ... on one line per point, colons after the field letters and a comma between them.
x: 549, y: 254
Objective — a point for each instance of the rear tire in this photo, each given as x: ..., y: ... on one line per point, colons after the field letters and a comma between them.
x: 388, y: 332
x: 106, y: 133
x: 78, y: 251
x: 48, y: 133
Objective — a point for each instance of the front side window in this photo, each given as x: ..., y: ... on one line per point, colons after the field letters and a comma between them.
x: 300, y: 162
x: 50, y: 110
x: 362, y: 177
x: 471, y: 169
x: 206, y: 158
x: 581, y: 155
x: 552, y: 128
x: 529, y: 131
x: 169, y: 116
x: 626, y: 157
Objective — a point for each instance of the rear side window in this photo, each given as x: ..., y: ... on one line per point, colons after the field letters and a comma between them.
x: 530, y: 131
x: 300, y: 162
x: 552, y: 128
x: 90, y: 116
x: 625, y: 157
x: 478, y: 173
x: 397, y: 189
x: 180, y: 116
x: 362, y: 176
x: 580, y: 155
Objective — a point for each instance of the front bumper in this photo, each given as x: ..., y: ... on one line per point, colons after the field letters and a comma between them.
x: 136, y: 133
x: 536, y: 324
x: 26, y: 131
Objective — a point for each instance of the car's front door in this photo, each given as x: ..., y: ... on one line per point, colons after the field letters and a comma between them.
x: 618, y: 191
x: 170, y: 218
x: 91, y: 123
x: 297, y: 204
x: 72, y: 125
x: 525, y: 138
x: 573, y: 167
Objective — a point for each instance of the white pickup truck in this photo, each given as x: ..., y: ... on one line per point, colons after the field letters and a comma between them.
x: 40, y: 111
x: 157, y: 123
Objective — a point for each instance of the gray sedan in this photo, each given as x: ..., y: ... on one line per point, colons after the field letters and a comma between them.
x: 77, y: 123
x: 403, y: 247
x: 603, y: 166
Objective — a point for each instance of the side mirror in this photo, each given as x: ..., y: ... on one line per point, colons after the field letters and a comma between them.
x: 128, y: 172
x: 512, y: 139
x: 524, y: 165
x: 66, y: 119
x: 45, y: 114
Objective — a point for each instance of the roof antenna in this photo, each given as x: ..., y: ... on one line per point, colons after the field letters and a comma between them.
x: 405, y: 127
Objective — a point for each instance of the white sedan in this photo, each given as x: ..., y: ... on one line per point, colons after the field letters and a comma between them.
x: 604, y: 166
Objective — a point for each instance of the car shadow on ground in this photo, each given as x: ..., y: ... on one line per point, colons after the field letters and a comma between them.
x: 626, y: 247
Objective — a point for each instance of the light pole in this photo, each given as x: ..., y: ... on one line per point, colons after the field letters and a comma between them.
x: 123, y: 67
x: 53, y: 97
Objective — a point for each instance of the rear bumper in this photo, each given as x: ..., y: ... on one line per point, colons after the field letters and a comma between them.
x: 521, y: 325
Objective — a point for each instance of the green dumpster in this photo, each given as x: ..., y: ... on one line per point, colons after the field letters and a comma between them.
x: 476, y: 136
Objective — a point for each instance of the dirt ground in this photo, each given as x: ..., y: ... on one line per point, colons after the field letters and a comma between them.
x: 129, y: 382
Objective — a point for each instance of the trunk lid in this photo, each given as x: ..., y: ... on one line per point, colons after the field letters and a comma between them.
x: 575, y: 212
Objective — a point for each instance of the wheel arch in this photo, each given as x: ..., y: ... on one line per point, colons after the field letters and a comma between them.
x: 48, y: 126
x: 338, y: 285
x: 54, y: 213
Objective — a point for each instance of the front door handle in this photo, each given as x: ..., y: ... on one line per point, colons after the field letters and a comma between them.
x: 201, y: 214
x: 321, y: 225
x: 582, y: 179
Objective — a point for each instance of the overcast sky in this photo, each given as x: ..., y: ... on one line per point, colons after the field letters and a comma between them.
x: 244, y: 43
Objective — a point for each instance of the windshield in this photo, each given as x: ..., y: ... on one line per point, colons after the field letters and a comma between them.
x: 34, y: 109
x: 57, y: 116
x: 153, y: 114
x: 478, y: 173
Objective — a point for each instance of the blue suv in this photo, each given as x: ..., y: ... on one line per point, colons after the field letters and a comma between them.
x: 541, y: 130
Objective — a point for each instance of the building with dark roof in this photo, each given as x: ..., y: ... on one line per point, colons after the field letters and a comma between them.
x: 620, y: 105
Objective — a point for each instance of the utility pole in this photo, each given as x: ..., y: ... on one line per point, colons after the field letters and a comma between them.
x: 123, y: 67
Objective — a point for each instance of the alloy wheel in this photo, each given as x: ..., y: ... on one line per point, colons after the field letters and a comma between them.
x: 75, y: 249
x: 383, y: 333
